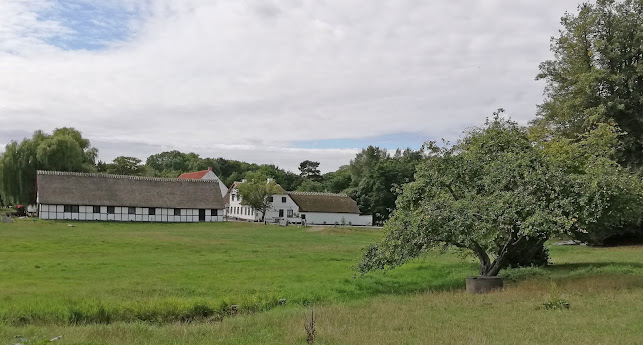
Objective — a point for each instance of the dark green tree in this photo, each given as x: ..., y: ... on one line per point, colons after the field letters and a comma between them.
x: 310, y: 170
x: 596, y: 75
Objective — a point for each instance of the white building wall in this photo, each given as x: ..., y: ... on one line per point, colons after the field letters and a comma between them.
x: 121, y: 214
x: 278, y: 203
x: 320, y: 218
x: 236, y: 210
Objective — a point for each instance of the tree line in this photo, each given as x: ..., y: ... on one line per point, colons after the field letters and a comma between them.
x: 371, y: 178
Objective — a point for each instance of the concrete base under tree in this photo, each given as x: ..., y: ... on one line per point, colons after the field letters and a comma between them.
x: 482, y: 284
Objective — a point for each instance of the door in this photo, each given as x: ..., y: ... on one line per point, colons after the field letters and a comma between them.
x: 201, y: 215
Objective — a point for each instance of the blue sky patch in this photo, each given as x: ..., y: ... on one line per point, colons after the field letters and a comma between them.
x: 94, y: 25
x: 388, y: 141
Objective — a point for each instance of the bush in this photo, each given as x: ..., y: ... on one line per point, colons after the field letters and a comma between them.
x: 526, y: 254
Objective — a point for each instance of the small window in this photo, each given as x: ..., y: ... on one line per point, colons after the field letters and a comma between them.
x: 281, y: 213
x: 71, y: 208
x: 270, y: 198
x: 96, y: 209
x: 111, y: 209
x: 152, y: 211
x: 177, y: 211
x: 131, y: 210
x: 232, y: 196
x: 303, y: 217
x: 213, y: 213
x: 283, y: 199
x: 289, y: 213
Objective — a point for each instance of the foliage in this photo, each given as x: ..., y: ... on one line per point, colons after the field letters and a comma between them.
x: 63, y: 150
x: 174, y: 163
x: 380, y: 176
x: 255, y: 192
x: 309, y: 170
x: 494, y: 191
x: 311, y: 186
x: 123, y: 165
x: 596, y: 75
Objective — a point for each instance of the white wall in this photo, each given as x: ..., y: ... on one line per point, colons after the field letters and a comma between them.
x: 339, y: 218
x: 272, y: 213
x: 121, y: 214
x: 244, y: 212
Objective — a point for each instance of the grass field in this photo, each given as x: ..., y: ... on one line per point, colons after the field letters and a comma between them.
x: 115, y: 283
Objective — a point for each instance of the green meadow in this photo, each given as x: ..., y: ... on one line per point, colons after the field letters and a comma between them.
x: 128, y: 283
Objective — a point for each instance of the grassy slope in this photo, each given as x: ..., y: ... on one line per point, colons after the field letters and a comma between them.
x: 165, y: 267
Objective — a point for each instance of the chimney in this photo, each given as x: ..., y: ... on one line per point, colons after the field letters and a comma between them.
x: 209, y: 168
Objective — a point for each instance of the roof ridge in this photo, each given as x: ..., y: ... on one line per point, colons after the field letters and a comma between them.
x: 317, y: 193
x: 129, y: 177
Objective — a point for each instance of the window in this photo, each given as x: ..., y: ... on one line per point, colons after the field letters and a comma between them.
x: 177, y: 211
x: 232, y: 196
x: 131, y: 210
x: 213, y: 213
x: 289, y: 213
x: 71, y: 208
x: 270, y: 198
x: 303, y: 217
x: 281, y: 213
x: 283, y: 199
x: 152, y: 211
x: 111, y: 209
x: 96, y: 209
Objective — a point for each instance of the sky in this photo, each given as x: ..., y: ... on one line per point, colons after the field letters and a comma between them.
x: 269, y: 81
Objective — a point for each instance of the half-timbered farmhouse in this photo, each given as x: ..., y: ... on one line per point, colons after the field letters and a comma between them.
x: 103, y: 197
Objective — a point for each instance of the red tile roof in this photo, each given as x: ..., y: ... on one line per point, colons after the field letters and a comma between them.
x: 194, y: 175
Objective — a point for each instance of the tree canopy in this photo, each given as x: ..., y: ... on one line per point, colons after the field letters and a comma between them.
x: 310, y: 170
x: 256, y: 192
x: 497, y: 189
x: 63, y: 150
x: 596, y: 75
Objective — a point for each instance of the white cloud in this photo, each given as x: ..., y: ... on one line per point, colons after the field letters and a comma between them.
x: 212, y: 75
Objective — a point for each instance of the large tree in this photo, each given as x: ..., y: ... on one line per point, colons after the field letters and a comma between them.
x: 310, y: 170
x: 498, y: 194
x: 257, y: 192
x: 596, y: 75
x: 63, y: 150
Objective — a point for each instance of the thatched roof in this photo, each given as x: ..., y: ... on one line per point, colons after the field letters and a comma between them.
x: 324, y: 202
x: 68, y: 188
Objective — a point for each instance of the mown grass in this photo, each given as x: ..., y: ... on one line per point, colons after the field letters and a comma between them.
x: 115, y: 283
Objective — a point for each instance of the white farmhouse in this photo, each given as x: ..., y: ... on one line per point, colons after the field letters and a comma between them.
x: 103, y: 197
x: 297, y: 207
x: 206, y: 175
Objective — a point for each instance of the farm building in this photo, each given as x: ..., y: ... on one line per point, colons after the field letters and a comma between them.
x: 298, y: 207
x: 206, y: 175
x: 82, y: 196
